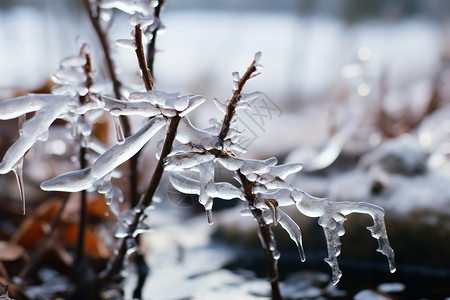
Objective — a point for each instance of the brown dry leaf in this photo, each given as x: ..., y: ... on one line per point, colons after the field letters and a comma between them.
x: 97, y: 207
x: 48, y: 210
x: 10, y: 251
x: 30, y: 232
x: 93, y: 245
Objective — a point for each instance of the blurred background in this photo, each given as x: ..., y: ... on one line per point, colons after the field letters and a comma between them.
x: 356, y: 90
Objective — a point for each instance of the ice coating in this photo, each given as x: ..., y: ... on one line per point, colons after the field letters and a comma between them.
x: 141, y: 20
x: 187, y: 133
x: 331, y: 218
x: 128, y: 6
x: 294, y: 232
x: 70, y: 182
x: 120, y: 107
x: 127, y: 43
x: 224, y: 190
x: 187, y: 160
x: 48, y: 109
x: 120, y: 153
x: 170, y: 104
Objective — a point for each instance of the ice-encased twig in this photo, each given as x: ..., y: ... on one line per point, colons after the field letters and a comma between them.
x: 84, y: 179
x: 331, y: 218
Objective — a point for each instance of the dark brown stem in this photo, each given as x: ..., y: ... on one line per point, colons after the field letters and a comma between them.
x: 146, y: 201
x: 82, y: 221
x: 151, y: 49
x: 265, y: 234
x: 265, y: 237
x: 146, y: 75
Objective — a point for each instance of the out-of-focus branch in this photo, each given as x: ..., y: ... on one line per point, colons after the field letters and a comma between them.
x: 151, y: 47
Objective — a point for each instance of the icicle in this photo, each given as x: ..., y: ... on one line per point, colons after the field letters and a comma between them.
x: 294, y: 232
x: 18, y: 171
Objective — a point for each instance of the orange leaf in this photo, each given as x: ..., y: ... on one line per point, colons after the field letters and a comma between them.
x: 30, y: 233
x: 93, y: 245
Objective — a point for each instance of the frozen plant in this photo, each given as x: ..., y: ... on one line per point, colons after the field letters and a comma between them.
x: 81, y: 97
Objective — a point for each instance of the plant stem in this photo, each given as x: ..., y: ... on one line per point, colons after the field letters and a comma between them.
x: 146, y: 75
x: 102, y: 37
x: 231, y: 109
x: 146, y: 201
x: 82, y: 220
x: 265, y: 234
x: 265, y: 237
x: 94, y: 18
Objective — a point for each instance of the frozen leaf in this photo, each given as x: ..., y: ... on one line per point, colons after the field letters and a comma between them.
x: 128, y: 6
x: 73, y: 61
x: 119, y: 107
x: 187, y: 133
x: 127, y: 43
x: 186, y: 161
x: 120, y: 153
x: 220, y: 105
x: 257, y: 166
x: 48, y: 109
x: 70, y: 182
x: 141, y: 20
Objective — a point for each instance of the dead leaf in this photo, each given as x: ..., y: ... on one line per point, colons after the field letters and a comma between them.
x: 10, y: 251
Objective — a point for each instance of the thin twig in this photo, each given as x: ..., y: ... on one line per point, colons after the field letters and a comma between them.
x: 146, y: 75
x: 151, y: 47
x: 264, y: 229
x: 231, y: 109
x: 94, y: 18
x: 265, y: 237
x: 104, y: 43
x: 116, y: 265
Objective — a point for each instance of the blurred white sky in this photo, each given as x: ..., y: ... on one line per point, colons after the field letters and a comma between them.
x: 305, y: 47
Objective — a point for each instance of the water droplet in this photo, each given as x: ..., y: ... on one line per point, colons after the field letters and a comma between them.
x: 276, y: 254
